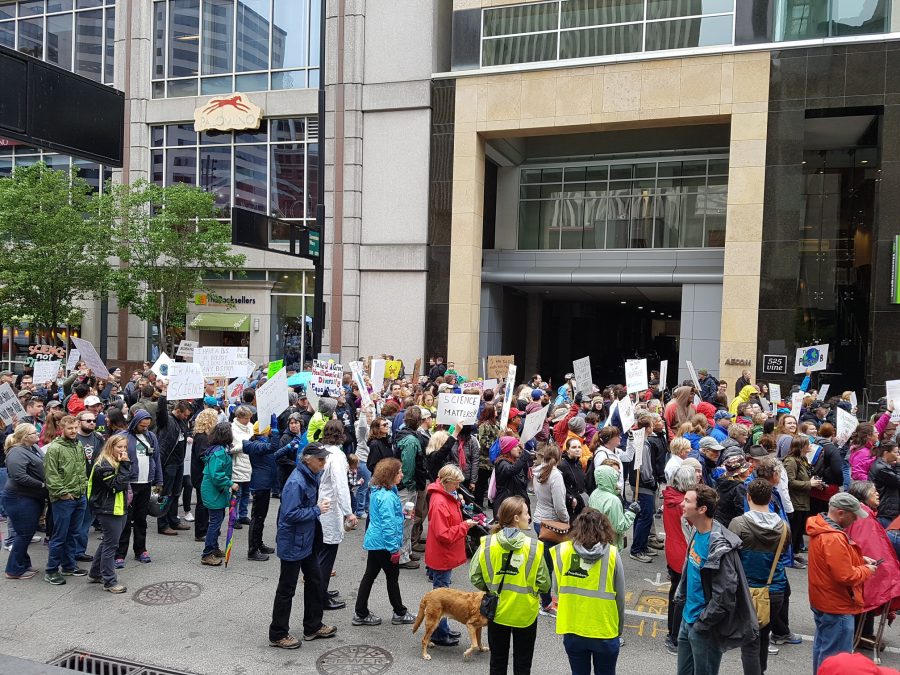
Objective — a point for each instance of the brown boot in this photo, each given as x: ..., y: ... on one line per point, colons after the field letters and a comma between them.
x: 211, y: 559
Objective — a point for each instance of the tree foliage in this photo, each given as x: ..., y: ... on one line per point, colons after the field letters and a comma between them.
x: 164, y: 237
x: 54, y: 254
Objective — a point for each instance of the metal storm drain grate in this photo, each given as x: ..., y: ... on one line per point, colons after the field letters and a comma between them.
x: 167, y: 593
x: 96, y: 664
x: 355, y: 660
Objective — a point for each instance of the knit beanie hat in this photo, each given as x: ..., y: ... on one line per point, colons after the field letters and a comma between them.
x: 576, y: 425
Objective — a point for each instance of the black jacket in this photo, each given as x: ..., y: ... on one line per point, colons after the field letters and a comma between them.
x: 659, y: 450
x: 573, y: 478
x: 106, y: 484
x: 26, y: 472
x: 887, y: 481
x: 731, y: 500
x: 729, y: 619
x: 171, y: 434
x: 829, y: 466
x: 511, y: 478
x: 201, y: 442
x: 379, y: 449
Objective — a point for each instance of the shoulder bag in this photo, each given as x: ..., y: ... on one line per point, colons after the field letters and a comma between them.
x: 554, y: 531
x: 759, y: 597
x: 490, y: 600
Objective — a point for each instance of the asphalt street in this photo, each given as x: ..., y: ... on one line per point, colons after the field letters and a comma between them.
x: 223, y: 630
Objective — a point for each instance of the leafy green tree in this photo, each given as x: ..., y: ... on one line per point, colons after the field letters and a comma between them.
x: 164, y: 237
x: 54, y: 254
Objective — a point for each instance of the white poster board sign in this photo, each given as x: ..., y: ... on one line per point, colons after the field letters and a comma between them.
x: 823, y: 391
x: 626, y: 413
x: 356, y: 368
x: 854, y: 402
x: 457, y: 408
x: 272, y: 399
x: 637, y: 442
x: 186, y: 348
x: 74, y: 357
x: 222, y: 362
x: 91, y: 358
x: 533, y: 423
x: 846, y: 425
x: 694, y: 379
x: 774, y: 395
x: 10, y: 408
x: 326, y: 377
x: 663, y: 375
x: 45, y: 371
x: 377, y: 375
x: 636, y: 375
x: 185, y: 382
x: 163, y: 366
x: 796, y: 404
x: 812, y: 357
x: 583, y: 379
x: 892, y: 387
x: 235, y: 388
x: 508, y: 395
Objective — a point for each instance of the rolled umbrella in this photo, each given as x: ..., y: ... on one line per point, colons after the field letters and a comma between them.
x: 232, y: 517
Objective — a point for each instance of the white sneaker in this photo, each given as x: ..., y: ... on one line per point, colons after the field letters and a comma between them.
x: 8, y: 547
x: 36, y: 538
x: 189, y: 516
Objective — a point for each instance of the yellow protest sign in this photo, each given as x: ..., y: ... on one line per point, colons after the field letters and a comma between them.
x: 392, y: 369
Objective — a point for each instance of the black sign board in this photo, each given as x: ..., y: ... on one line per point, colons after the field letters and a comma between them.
x: 52, y: 108
x: 775, y: 364
x: 257, y: 230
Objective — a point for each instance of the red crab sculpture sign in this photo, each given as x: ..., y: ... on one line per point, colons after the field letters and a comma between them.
x: 227, y: 113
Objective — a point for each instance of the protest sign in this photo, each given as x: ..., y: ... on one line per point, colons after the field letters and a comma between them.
x: 694, y: 379
x: 274, y: 367
x: 457, y: 408
x: 223, y: 362
x: 473, y: 384
x: 356, y: 368
x: 583, y: 379
x: 508, y: 395
x: 663, y: 374
x: 892, y: 388
x: 326, y: 378
x: 796, y: 404
x: 91, y: 358
x: 637, y: 442
x: 45, y: 371
x: 163, y: 366
x: 272, y: 399
x: 636, y: 375
x: 774, y: 395
x: 185, y: 381
x: 490, y: 384
x: 498, y: 366
x: 244, y: 368
x: 813, y: 357
x: 186, y: 348
x: 823, y: 391
x: 392, y: 369
x: 10, y: 408
x: 234, y: 389
x: 854, y: 402
x: 626, y: 413
x: 74, y: 358
x: 417, y: 370
x: 533, y: 423
x: 846, y: 425
x: 377, y: 375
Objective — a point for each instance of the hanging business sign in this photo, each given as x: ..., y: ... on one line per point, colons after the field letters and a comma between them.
x: 229, y: 112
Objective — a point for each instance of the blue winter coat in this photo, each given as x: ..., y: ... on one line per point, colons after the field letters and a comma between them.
x: 156, y: 474
x: 261, y: 450
x: 298, y: 516
x: 385, y: 531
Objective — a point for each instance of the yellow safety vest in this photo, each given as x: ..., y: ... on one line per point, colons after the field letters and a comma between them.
x: 587, y: 596
x: 519, y: 602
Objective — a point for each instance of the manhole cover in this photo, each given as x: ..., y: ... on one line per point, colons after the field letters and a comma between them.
x: 167, y: 593
x: 355, y: 660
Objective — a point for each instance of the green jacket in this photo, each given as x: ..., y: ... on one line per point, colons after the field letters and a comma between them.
x: 409, y: 446
x: 607, y: 501
x: 514, y: 543
x: 65, y: 469
x: 215, y: 490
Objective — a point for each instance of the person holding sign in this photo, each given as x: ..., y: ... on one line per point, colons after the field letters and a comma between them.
x: 510, y: 472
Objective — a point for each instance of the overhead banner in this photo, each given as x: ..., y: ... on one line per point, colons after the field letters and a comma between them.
x: 457, y: 408
x: 583, y: 379
x: 636, y: 375
x: 812, y: 358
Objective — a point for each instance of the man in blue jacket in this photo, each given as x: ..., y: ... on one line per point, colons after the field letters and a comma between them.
x: 298, y: 538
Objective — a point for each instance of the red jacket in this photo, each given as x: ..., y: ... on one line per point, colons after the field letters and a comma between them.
x: 837, y: 571
x: 884, y: 585
x: 676, y: 546
x: 445, y: 544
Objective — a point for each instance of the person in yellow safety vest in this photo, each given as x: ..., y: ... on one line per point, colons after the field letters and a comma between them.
x: 107, y: 494
x: 590, y: 580
x: 509, y: 556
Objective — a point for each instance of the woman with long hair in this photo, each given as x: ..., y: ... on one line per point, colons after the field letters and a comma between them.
x: 676, y: 544
x: 378, y: 442
x: 24, y: 496
x: 679, y: 410
x: 785, y: 431
x: 242, y: 430
x: 510, y: 556
x: 203, y: 424
x: 605, y: 446
x: 550, y: 497
x: 51, y: 428
x: 590, y: 625
x: 383, y: 540
x: 218, y: 485
x: 573, y: 477
x: 862, y: 450
x: 801, y: 482
x: 334, y: 487
x: 107, y: 490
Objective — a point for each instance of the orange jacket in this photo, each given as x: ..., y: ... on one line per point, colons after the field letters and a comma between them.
x: 836, y: 571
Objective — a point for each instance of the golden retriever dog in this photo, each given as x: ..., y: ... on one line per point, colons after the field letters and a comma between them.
x: 460, y: 605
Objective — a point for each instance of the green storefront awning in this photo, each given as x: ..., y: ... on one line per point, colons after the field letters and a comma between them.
x: 222, y: 321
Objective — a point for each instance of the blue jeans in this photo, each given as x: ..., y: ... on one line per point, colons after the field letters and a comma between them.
x: 24, y: 513
x: 582, y: 651
x: 894, y: 536
x: 67, y: 517
x: 84, y: 530
x: 244, y: 500
x: 441, y: 579
x: 4, y: 474
x: 361, y: 496
x: 216, y: 516
x: 697, y: 655
x: 834, y: 634
x: 643, y: 524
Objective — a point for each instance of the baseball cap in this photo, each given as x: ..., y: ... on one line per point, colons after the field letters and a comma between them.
x: 710, y: 443
x: 315, y: 450
x: 817, y: 404
x: 91, y: 400
x: 757, y: 452
x: 426, y: 413
x: 703, y: 371
x: 25, y: 393
x: 569, y: 376
x: 722, y: 414
x: 536, y: 394
x: 53, y: 403
x: 210, y: 401
x: 514, y: 412
x: 559, y: 414
x: 847, y: 502
x: 735, y: 465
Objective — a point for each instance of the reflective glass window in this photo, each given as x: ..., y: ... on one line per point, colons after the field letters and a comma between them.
x: 89, y: 44
x: 218, y: 36
x: 184, y: 37
x: 59, y: 40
